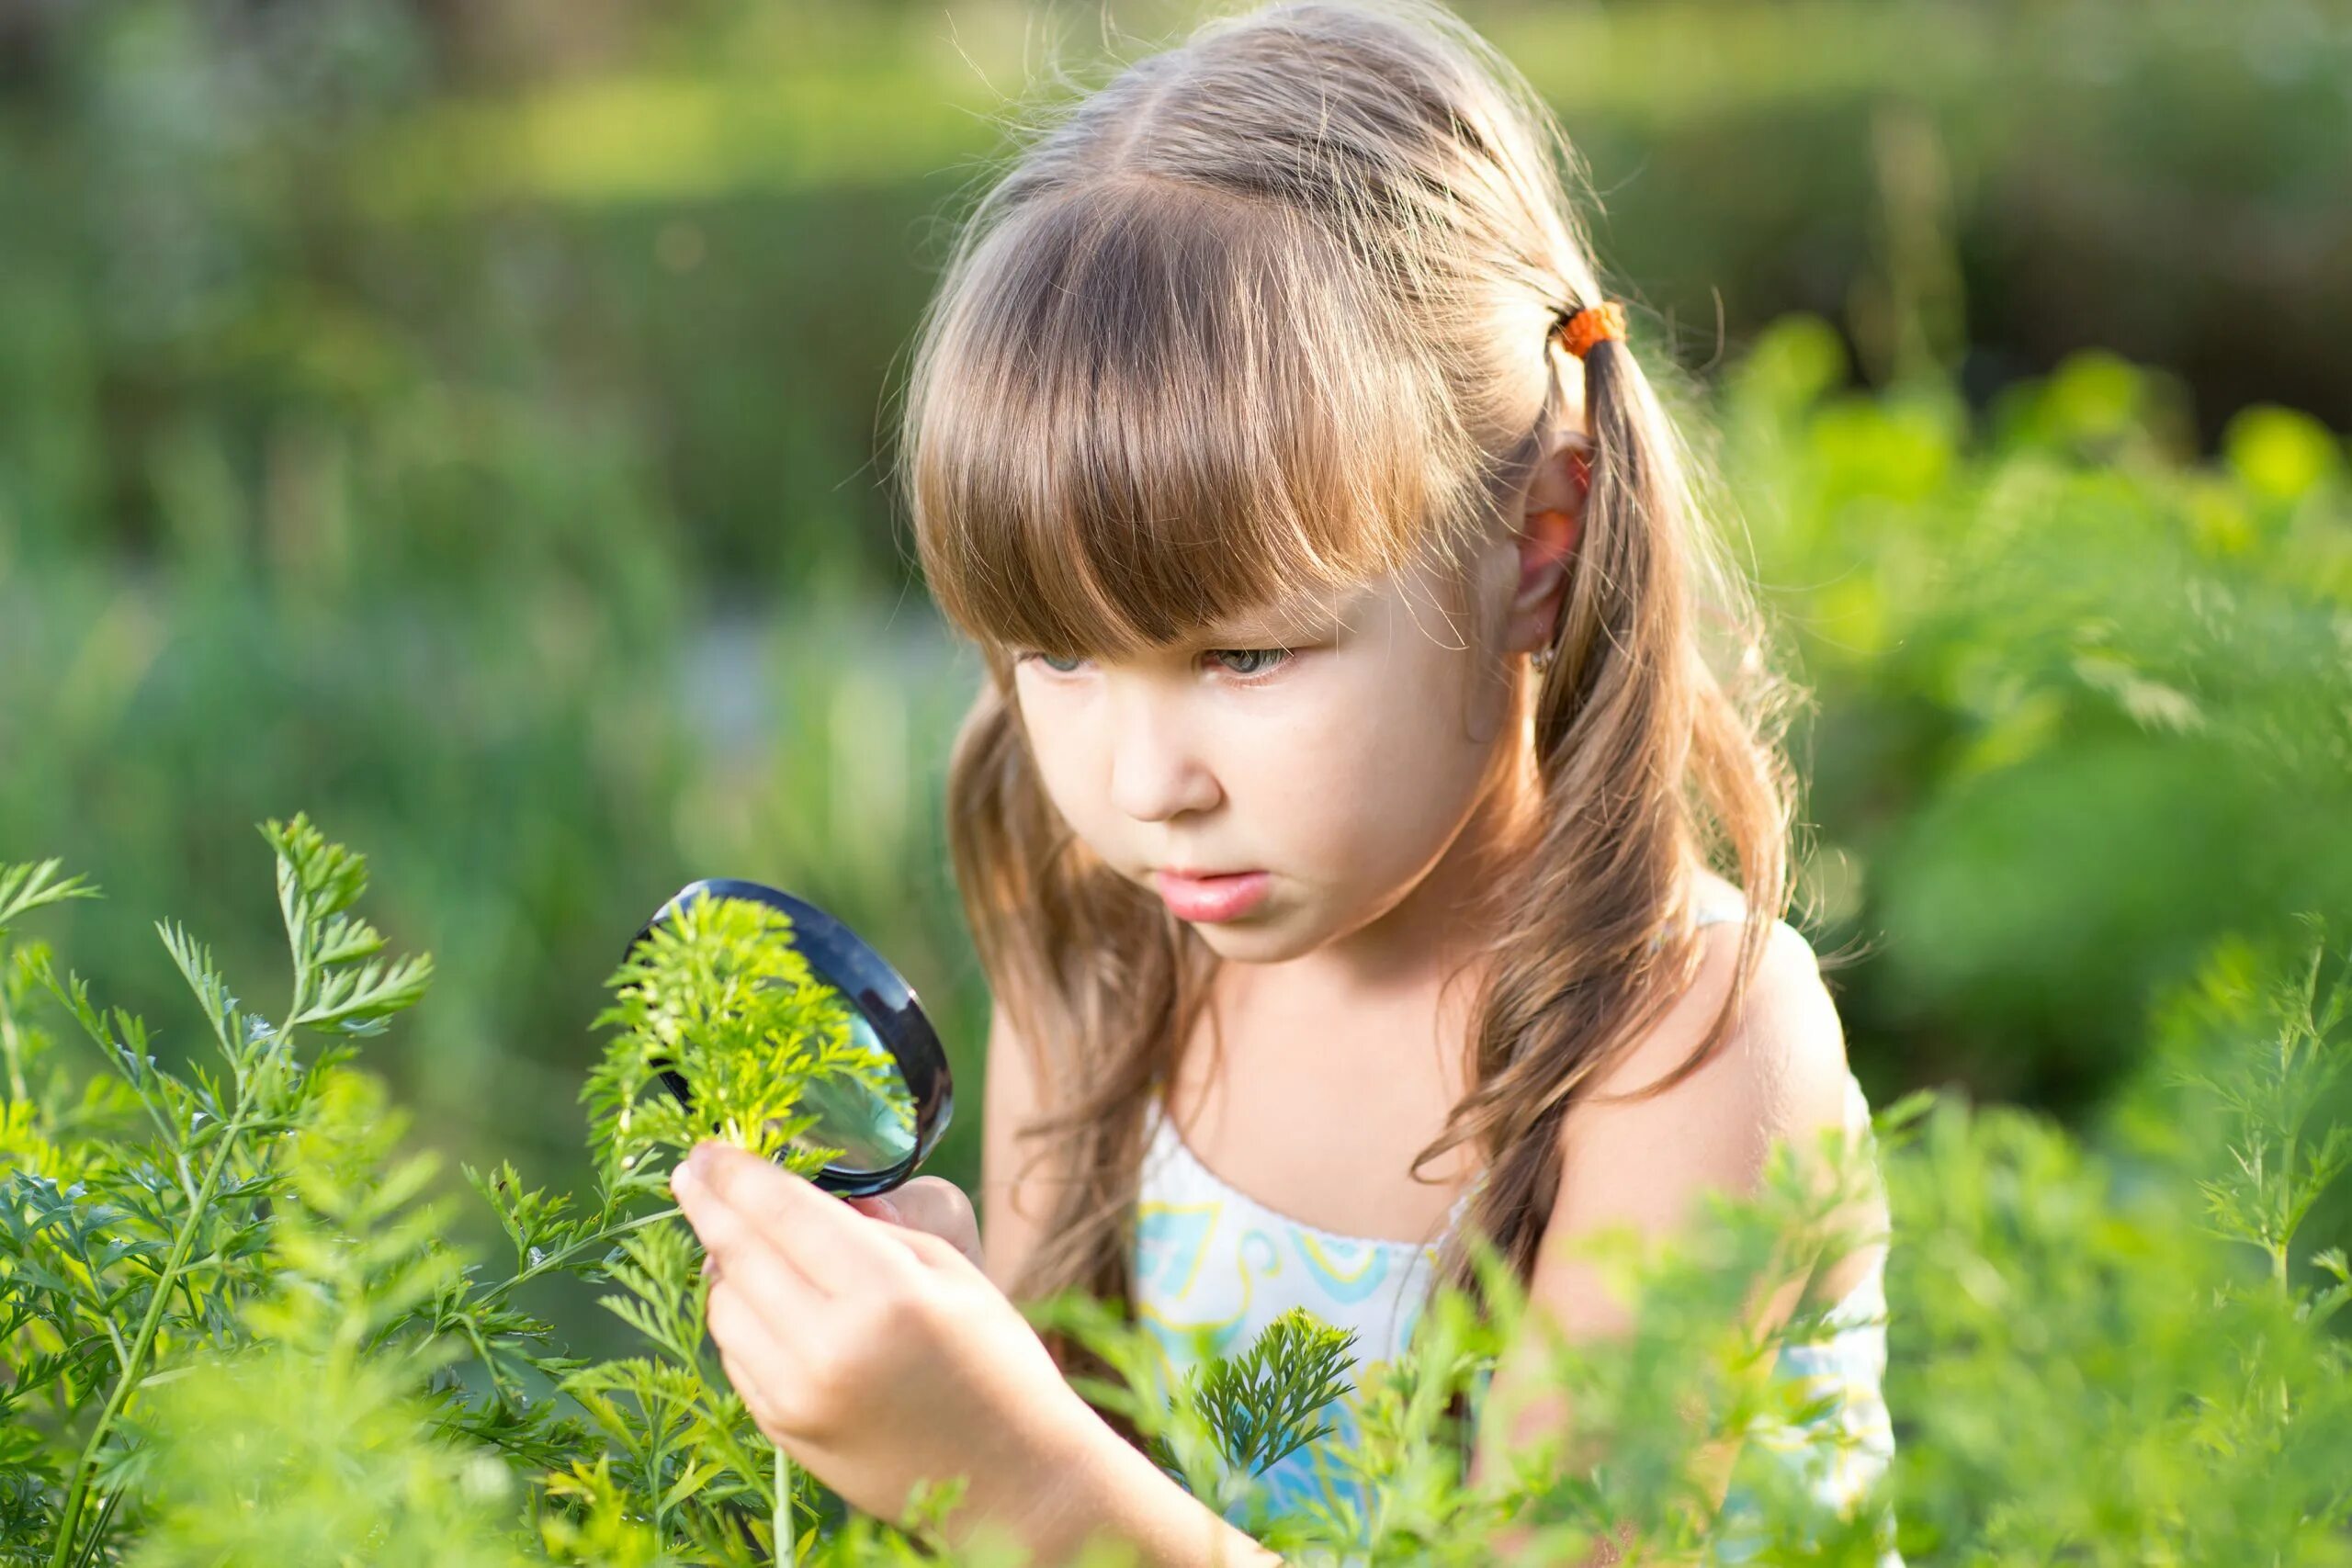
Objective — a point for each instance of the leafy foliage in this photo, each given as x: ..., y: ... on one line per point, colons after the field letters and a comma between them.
x: 2101, y: 1377
x: 233, y: 1330
x: 221, y: 1307
x: 1261, y: 1404
x: 718, y: 992
x: 311, y: 1438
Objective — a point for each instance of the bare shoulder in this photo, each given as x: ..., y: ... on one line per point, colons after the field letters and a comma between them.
x: 1779, y: 1074
x: 1786, y: 1037
x: 1648, y: 1164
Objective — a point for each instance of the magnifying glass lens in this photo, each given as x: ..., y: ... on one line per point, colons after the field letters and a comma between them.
x: 868, y: 1115
x: 881, y: 1111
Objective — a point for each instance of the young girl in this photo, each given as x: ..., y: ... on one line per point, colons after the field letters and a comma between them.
x: 1366, y: 698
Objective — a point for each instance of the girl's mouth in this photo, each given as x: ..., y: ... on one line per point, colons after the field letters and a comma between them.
x: 1212, y: 898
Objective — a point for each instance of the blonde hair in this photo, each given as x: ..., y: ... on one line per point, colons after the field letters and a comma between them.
x: 1271, y: 312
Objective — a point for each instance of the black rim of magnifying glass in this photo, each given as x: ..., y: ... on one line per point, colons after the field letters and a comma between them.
x: 844, y: 960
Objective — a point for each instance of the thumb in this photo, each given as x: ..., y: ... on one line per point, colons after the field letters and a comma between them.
x: 935, y: 1205
x: 879, y: 1207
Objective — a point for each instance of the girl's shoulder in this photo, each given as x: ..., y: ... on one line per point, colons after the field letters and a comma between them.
x: 1715, y: 897
x: 1717, y: 900
x: 1785, y: 1057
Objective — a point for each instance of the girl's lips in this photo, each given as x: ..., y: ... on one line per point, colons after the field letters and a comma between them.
x: 1212, y: 897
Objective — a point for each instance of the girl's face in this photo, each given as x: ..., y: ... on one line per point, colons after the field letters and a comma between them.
x: 1341, y: 752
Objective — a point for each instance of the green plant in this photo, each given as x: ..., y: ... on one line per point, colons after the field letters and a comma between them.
x: 169, y: 1241
x: 2114, y: 1354
x: 253, y: 1255
x: 231, y: 1331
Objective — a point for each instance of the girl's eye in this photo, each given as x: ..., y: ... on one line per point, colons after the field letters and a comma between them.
x: 1274, y: 658
x: 1253, y: 661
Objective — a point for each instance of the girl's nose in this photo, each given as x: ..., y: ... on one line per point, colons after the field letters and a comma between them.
x: 1156, y: 770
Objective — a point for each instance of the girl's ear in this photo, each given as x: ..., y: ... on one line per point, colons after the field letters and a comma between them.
x: 1551, y: 526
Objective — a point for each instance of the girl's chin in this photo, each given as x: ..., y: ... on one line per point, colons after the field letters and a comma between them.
x: 1266, y: 937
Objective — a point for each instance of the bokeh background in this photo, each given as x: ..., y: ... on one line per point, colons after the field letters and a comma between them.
x: 466, y: 422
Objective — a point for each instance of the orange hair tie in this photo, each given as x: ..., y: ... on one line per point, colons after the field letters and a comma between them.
x: 1579, y: 329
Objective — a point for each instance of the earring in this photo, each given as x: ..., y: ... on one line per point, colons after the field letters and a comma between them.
x: 1541, y: 658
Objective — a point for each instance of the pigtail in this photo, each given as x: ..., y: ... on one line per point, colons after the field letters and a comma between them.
x: 1621, y: 703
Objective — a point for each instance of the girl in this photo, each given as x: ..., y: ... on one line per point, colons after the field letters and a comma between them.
x: 1367, y: 699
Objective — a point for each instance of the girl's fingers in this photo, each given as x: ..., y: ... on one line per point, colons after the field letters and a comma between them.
x: 896, y: 1226
x: 919, y: 1245
x: 758, y: 1277
x: 925, y: 1211
x: 727, y: 1230
x: 833, y: 1247
x: 932, y: 1204
x: 735, y: 1324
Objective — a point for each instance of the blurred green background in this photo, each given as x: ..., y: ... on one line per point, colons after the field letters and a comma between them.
x: 465, y: 422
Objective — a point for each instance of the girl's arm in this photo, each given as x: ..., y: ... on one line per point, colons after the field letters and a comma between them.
x: 1015, y: 1211
x: 1109, y: 1490
x: 1646, y: 1163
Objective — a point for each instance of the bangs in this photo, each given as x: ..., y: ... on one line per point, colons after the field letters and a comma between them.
x: 1144, y: 409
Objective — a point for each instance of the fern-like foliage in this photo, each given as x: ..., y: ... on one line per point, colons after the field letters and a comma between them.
x: 311, y: 1441
x: 242, y: 1232
x: 149, y: 1251
x: 230, y: 1330
x: 339, y: 987
x: 1264, y: 1403
x: 2268, y: 1092
x: 719, y: 993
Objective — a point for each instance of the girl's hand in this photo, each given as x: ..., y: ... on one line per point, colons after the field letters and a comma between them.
x: 934, y: 1205
x: 878, y: 1355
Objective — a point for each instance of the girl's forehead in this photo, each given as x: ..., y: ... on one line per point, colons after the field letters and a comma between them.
x: 1312, y: 607
x: 1413, y: 595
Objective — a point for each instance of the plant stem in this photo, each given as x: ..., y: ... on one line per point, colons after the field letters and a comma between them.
x: 71, y: 1516
x: 786, y: 1548
x: 98, y: 1531
x: 609, y: 1234
x: 653, y: 1456
x: 14, y: 1051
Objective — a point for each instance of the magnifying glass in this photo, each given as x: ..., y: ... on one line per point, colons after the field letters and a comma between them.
x: 884, y: 1128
